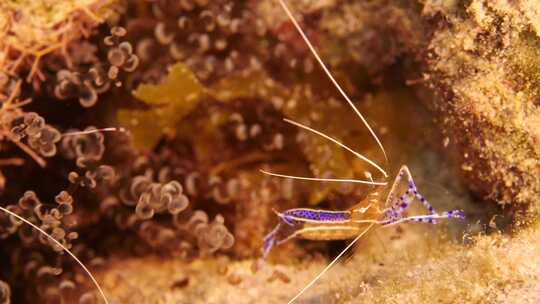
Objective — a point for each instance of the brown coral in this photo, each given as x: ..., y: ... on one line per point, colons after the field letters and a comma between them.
x: 33, y: 29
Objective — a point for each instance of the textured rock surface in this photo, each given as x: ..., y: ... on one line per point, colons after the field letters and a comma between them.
x: 495, y: 269
x: 483, y: 67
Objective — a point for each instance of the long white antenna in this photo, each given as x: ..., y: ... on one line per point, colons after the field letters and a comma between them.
x: 336, y: 84
x: 61, y: 246
x: 329, y: 265
x: 109, y: 129
x: 369, y: 161
x: 339, y: 180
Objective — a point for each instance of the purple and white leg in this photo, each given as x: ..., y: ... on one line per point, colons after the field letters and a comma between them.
x: 430, y: 218
x: 400, y: 205
x: 269, y: 241
x: 414, y: 189
x: 394, y: 214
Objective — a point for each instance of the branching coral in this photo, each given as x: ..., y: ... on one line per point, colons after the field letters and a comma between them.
x: 18, y: 126
x: 100, y: 77
x: 33, y: 29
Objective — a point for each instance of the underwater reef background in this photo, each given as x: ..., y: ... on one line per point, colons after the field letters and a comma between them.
x: 168, y: 203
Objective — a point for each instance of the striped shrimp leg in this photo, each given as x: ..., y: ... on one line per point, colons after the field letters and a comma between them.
x: 429, y: 218
x: 398, y: 204
x: 269, y: 241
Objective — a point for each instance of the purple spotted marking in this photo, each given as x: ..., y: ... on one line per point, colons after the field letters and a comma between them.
x: 292, y: 215
x: 459, y: 214
x: 426, y: 203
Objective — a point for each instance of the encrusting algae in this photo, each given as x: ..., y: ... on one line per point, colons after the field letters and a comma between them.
x: 133, y: 135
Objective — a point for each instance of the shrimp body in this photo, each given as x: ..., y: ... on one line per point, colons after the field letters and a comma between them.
x: 329, y: 232
x: 324, y: 225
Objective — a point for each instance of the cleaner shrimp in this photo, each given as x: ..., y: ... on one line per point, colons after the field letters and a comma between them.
x: 355, y: 222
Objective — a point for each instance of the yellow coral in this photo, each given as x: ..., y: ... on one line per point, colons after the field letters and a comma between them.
x: 170, y: 101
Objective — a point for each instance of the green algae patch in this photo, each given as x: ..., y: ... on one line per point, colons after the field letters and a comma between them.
x: 169, y: 101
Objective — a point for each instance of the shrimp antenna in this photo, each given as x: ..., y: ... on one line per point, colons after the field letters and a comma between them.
x: 61, y: 246
x: 330, y: 264
x: 337, y: 142
x: 336, y: 84
x: 339, y: 180
x: 110, y: 129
